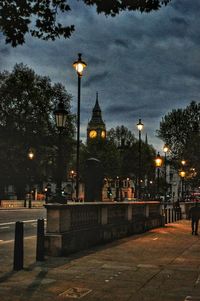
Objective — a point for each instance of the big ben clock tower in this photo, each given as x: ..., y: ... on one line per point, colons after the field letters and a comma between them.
x: 96, y: 129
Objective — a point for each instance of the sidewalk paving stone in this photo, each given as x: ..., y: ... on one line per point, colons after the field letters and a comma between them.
x: 160, y: 265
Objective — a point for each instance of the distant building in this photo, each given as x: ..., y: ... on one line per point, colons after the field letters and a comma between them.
x: 96, y: 128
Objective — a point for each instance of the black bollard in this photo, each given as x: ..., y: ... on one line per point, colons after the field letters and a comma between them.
x: 169, y: 215
x: 19, y: 247
x: 40, y: 240
x: 172, y: 215
x: 166, y: 220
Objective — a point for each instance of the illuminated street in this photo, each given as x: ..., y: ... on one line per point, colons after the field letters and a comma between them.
x: 162, y: 264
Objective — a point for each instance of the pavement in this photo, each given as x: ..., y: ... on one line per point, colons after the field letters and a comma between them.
x: 162, y: 264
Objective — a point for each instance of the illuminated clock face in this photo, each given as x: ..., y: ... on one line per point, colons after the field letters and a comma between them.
x: 103, y: 134
x: 93, y: 134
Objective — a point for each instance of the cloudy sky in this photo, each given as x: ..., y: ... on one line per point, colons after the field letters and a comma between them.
x: 142, y: 65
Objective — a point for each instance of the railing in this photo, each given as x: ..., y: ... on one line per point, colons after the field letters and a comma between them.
x: 77, y: 226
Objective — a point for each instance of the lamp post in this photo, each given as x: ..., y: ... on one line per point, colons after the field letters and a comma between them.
x: 60, y: 117
x: 72, y: 176
x: 165, y: 149
x: 31, y: 156
x: 140, y: 126
x: 47, y: 191
x: 158, y: 163
x: 79, y: 66
x: 182, y: 175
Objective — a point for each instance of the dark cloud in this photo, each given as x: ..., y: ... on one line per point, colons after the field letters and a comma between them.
x: 97, y: 78
x: 143, y: 65
x: 121, y: 43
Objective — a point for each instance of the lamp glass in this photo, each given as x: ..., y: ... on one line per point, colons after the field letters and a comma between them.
x: 183, y: 162
x: 61, y: 120
x: 158, y: 161
x: 79, y: 65
x: 31, y: 154
x: 182, y: 173
x: 165, y: 149
x: 60, y: 115
x: 140, y: 125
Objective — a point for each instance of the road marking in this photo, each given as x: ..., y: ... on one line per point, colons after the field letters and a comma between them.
x: 198, y: 280
x: 3, y: 242
x: 5, y: 227
x: 27, y: 221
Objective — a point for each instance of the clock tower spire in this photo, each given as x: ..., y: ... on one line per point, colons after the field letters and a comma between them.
x: 96, y: 127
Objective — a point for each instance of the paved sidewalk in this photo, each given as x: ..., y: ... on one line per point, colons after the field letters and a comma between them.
x: 163, y: 264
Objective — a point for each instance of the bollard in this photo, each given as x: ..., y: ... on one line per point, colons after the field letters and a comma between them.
x: 172, y: 215
x: 29, y: 203
x: 19, y: 247
x: 40, y: 240
x: 165, y: 216
x: 169, y: 215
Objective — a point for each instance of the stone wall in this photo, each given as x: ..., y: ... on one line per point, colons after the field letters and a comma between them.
x: 20, y: 204
x: 74, y: 227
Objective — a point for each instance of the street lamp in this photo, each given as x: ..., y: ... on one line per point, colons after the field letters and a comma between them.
x: 31, y: 156
x: 158, y: 163
x: 79, y: 66
x: 72, y: 176
x: 140, y: 127
x: 182, y: 175
x: 165, y: 149
x: 183, y: 162
x: 61, y: 118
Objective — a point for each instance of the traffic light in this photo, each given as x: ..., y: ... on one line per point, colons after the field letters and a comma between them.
x: 109, y: 192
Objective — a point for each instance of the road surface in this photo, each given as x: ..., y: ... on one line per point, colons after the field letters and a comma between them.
x: 9, y: 217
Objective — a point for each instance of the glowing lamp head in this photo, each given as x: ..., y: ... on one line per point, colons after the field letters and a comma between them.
x: 183, y: 162
x: 79, y: 65
x: 182, y: 173
x: 31, y: 154
x: 140, y: 125
x: 158, y: 160
x: 165, y: 148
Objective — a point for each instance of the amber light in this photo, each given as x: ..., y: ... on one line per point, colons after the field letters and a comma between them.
x: 158, y: 160
x: 79, y: 65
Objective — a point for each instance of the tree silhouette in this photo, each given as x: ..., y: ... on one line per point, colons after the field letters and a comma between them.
x: 41, y: 18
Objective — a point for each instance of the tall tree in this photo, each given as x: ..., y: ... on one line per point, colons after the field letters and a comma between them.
x: 27, y: 102
x: 41, y: 18
x: 180, y: 130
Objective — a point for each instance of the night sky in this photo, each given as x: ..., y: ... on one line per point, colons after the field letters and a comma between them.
x: 142, y: 65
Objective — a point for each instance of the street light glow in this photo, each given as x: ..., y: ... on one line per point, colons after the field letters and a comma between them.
x: 31, y: 154
x: 165, y: 148
x: 158, y: 160
x: 183, y: 162
x: 182, y: 174
x: 140, y: 125
x: 79, y: 65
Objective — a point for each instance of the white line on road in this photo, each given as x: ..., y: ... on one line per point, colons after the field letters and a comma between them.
x: 5, y: 227
x: 27, y: 221
x: 198, y: 280
x: 3, y: 242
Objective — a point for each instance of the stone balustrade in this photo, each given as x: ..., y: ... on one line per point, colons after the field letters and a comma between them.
x: 78, y: 226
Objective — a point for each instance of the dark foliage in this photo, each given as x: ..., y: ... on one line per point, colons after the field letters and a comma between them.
x: 41, y: 18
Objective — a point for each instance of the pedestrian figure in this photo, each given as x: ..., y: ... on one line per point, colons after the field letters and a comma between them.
x: 194, y: 215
